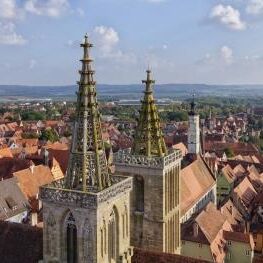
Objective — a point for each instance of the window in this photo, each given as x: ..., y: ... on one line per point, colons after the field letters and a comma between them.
x: 229, y: 243
x: 247, y: 252
x: 200, y: 245
x: 112, y: 237
x: 72, y: 253
x: 183, y: 242
x: 139, y: 191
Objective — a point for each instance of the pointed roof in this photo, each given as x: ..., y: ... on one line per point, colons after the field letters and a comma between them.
x: 149, y: 140
x: 192, y: 106
x: 87, y: 169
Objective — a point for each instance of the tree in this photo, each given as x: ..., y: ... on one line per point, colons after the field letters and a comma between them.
x: 49, y: 135
x: 229, y: 152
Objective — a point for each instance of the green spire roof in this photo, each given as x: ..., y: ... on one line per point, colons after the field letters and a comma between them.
x: 87, y: 165
x: 149, y: 139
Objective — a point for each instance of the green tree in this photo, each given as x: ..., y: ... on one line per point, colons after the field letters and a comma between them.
x: 49, y: 135
x: 229, y: 152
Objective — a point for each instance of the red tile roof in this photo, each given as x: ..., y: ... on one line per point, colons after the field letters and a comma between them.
x: 196, y: 180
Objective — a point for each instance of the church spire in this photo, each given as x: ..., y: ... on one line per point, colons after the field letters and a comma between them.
x: 149, y: 139
x: 87, y: 168
x: 192, y: 106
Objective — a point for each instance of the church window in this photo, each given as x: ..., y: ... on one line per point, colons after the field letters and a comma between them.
x: 72, y: 248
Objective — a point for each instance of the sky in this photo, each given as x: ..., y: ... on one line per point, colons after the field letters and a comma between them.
x: 182, y: 41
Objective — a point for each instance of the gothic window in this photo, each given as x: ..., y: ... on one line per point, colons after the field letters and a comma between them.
x: 72, y: 247
x: 139, y: 193
x: 113, y: 237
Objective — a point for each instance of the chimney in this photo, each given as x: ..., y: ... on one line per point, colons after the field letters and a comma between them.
x: 31, y: 167
x: 46, y: 157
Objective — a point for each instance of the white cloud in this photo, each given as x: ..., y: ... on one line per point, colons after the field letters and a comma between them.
x: 228, y: 16
x: 52, y: 8
x: 165, y: 46
x: 106, y: 38
x: 7, y: 9
x: 255, y: 7
x: 227, y: 54
x: 8, y: 36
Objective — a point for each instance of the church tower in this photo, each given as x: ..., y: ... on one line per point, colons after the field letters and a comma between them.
x: 193, y: 130
x: 155, y: 200
x: 87, y: 214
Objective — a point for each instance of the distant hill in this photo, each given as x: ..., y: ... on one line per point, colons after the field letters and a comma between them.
x: 173, y: 91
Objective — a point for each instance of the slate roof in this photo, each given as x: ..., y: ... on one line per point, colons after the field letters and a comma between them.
x: 12, y: 200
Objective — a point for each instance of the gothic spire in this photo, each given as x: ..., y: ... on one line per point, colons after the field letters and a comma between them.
x: 87, y: 168
x: 149, y: 139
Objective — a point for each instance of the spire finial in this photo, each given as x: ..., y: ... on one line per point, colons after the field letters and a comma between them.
x: 193, y: 105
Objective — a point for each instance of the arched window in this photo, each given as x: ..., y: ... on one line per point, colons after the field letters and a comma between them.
x: 113, y: 237
x: 139, y: 193
x: 72, y: 245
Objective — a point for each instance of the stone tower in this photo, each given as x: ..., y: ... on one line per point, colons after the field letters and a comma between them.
x: 155, y: 200
x: 87, y: 214
x: 193, y: 130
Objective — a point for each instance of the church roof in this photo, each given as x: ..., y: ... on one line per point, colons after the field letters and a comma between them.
x: 196, y: 180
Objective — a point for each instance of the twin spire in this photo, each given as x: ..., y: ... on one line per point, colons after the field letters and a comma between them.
x: 149, y: 140
x: 88, y: 169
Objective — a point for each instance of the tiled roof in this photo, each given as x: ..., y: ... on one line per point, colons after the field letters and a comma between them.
x: 239, y: 170
x: 228, y: 173
x: 196, y: 180
x: 6, y: 152
x: 32, y: 178
x: 238, y: 148
x: 20, y: 243
x: 181, y: 147
x: 237, y: 236
x: 211, y: 221
x: 62, y: 157
x: 10, y: 165
x: 245, y: 191
x: 12, y: 200
x: 232, y: 214
x: 57, y: 146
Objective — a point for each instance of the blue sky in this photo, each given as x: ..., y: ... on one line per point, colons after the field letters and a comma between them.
x: 190, y: 41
